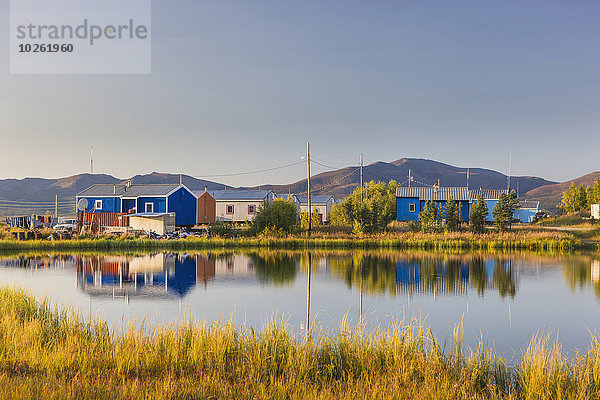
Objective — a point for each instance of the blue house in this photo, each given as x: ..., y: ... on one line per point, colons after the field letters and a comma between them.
x: 491, y: 197
x: 148, y: 199
x: 410, y: 201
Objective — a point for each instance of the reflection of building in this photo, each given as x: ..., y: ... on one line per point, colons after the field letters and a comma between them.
x: 155, y: 275
x: 234, y: 265
x: 438, y: 277
x: 595, y: 274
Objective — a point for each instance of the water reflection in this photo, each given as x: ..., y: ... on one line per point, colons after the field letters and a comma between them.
x: 390, y: 274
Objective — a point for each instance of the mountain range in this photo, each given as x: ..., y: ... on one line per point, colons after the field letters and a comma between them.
x: 339, y: 183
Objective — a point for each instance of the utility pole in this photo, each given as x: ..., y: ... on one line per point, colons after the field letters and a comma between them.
x: 468, y: 174
x: 410, y: 178
x: 56, y: 207
x: 361, y: 178
x: 308, y: 188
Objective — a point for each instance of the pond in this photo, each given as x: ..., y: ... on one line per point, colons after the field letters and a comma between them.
x: 503, y: 298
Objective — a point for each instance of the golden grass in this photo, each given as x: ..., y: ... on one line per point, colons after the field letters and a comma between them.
x: 48, y: 354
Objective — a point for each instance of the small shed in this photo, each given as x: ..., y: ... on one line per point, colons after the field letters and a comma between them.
x: 527, y: 211
x: 595, y: 209
x: 159, y: 223
x: 207, y: 207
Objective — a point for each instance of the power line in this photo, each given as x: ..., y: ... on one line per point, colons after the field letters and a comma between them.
x: 250, y: 172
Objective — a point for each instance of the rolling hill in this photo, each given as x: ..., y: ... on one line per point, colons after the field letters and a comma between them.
x: 549, y: 196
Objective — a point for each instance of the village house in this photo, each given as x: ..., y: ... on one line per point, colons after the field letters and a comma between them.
x: 321, y: 204
x: 410, y: 201
x: 140, y: 199
x: 239, y: 205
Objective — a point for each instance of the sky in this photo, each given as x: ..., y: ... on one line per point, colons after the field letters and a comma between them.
x: 240, y: 86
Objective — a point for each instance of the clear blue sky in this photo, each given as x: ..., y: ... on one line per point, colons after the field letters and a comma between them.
x: 243, y: 85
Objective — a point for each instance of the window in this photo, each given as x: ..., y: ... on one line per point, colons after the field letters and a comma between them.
x: 252, y: 209
x: 149, y: 207
x: 412, y: 207
x: 229, y: 209
x: 98, y: 205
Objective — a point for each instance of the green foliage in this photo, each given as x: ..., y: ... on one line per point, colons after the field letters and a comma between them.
x: 222, y: 228
x: 315, y: 221
x: 373, y: 207
x: 579, y: 198
x: 430, y: 217
x: 478, y: 215
x: 504, y: 210
x: 452, y: 215
x: 277, y: 216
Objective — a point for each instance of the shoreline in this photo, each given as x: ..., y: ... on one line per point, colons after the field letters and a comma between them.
x: 534, y: 241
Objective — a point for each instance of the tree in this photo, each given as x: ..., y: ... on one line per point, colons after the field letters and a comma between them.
x: 314, y: 219
x: 504, y: 210
x: 371, y: 208
x: 478, y: 215
x: 569, y: 199
x: 452, y: 215
x: 429, y: 218
x: 595, y: 192
x: 280, y: 215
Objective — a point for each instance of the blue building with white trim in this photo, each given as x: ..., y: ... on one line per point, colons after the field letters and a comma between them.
x: 142, y: 199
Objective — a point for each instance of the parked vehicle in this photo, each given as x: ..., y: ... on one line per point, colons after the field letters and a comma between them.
x: 68, y: 225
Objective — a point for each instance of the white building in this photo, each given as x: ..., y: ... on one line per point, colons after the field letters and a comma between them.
x: 239, y: 205
x: 596, y: 211
x: 322, y: 204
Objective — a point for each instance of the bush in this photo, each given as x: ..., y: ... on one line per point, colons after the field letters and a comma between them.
x: 278, y: 216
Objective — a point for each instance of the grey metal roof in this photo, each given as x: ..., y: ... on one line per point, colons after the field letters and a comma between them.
x: 103, y: 190
x: 292, y: 197
x: 240, y: 194
x: 314, y: 199
x: 488, y: 194
x: 534, y: 205
x: 433, y: 193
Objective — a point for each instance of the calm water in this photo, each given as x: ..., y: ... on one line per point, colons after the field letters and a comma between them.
x: 505, y: 299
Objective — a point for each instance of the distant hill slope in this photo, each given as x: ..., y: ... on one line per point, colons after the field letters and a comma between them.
x: 550, y: 196
x: 40, y: 190
x: 343, y: 181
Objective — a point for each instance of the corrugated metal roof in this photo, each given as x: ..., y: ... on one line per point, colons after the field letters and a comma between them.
x: 293, y: 197
x: 103, y: 190
x: 534, y: 205
x: 314, y: 199
x: 488, y: 194
x: 433, y: 193
x: 240, y: 194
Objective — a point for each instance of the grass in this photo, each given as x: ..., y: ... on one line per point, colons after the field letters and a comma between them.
x: 49, y: 354
x: 518, y: 240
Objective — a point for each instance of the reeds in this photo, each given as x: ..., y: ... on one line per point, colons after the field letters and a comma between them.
x: 536, y: 241
x: 51, y: 354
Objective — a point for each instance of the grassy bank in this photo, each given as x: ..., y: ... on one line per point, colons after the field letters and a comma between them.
x: 45, y: 354
x: 533, y: 240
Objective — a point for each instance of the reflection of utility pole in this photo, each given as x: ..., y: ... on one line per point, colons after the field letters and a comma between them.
x: 308, y: 295
x: 361, y: 298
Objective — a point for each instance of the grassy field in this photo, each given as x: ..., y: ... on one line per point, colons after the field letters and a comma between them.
x: 517, y: 240
x: 48, y: 354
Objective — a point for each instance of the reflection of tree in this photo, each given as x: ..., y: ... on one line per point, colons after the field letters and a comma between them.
x: 478, y: 276
x: 277, y: 268
x: 503, y: 278
x: 376, y: 273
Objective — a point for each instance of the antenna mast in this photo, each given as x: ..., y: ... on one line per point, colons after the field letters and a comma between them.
x: 92, y: 157
x: 509, y: 168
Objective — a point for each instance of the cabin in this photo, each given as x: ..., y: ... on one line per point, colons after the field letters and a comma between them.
x: 140, y: 199
x: 207, y: 207
x: 410, y: 201
x: 321, y: 204
x: 239, y: 205
x: 527, y: 211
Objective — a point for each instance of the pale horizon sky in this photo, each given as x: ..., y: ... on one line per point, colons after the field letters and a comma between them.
x: 243, y: 85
